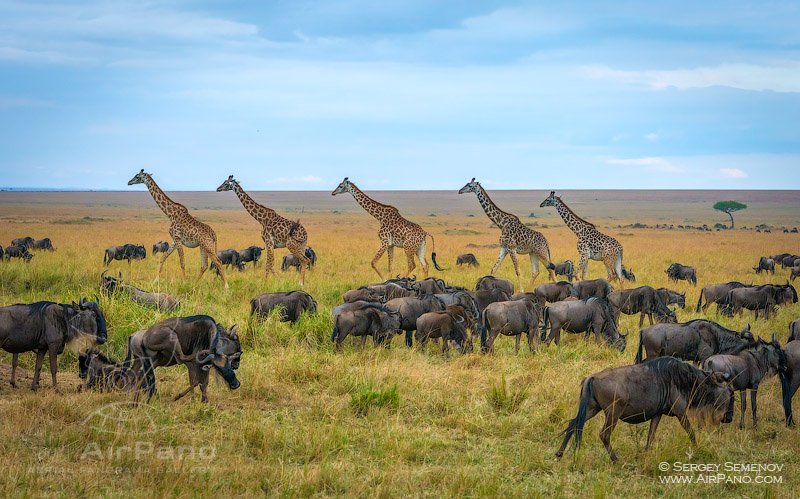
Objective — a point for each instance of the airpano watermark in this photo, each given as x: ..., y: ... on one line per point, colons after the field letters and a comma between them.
x: 720, y: 473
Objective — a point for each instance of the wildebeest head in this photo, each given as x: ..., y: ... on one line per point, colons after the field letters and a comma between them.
x: 344, y: 186
x: 139, y: 178
x: 612, y: 335
x: 472, y: 186
x: 746, y: 334
x: 787, y: 293
x: 86, y: 325
x: 109, y: 284
x: 223, y: 354
x: 715, y: 394
x: 99, y: 318
x: 628, y: 274
x: 229, y: 184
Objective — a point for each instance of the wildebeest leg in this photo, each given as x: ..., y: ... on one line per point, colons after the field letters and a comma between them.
x: 193, y: 381
x: 363, y: 341
x: 608, y: 428
x: 203, y: 378
x: 14, y: 370
x: 409, y: 339
x: 500, y: 258
x: 744, y: 409
x: 53, y: 367
x: 378, y: 255
x: 753, y: 395
x: 516, y: 342
x: 652, y: 433
x: 38, y: 369
x: 688, y: 427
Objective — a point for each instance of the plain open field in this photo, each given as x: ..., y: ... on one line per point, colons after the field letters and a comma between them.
x: 300, y: 424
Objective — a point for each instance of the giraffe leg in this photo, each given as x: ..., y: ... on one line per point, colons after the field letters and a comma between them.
x: 534, y: 268
x: 213, y: 255
x: 583, y: 265
x: 269, y: 267
x: 421, y: 256
x: 299, y: 251
x: 378, y: 256
x: 165, y: 256
x: 203, y: 262
x: 390, y: 255
x: 500, y: 258
x: 513, y: 254
x: 411, y: 263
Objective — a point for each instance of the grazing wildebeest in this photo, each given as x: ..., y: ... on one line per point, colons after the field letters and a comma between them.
x: 583, y: 316
x: 292, y: 261
x: 762, y: 298
x: 230, y: 258
x: 565, y: 268
x: 292, y: 305
x: 25, y: 242
x: 367, y: 319
x: 106, y: 374
x: 467, y: 259
x: 491, y: 282
x: 430, y: 286
x: 250, y: 254
x: 364, y: 293
x: 628, y: 274
x: 43, y: 244
x: 790, y: 381
x: 46, y: 327
x: 160, y: 247
x: 125, y: 252
x: 795, y: 273
x: 677, y: 272
x: 642, y: 300
x: 789, y: 261
x: 551, y: 292
x: 694, y: 341
x: 20, y: 252
x: 484, y: 297
x: 110, y: 285
x: 196, y: 341
x: 670, y: 297
x: 639, y: 393
x: 410, y: 308
x: 450, y: 324
x: 511, y: 318
x: 716, y: 293
x: 748, y: 368
x: 598, y: 288
x: 765, y: 264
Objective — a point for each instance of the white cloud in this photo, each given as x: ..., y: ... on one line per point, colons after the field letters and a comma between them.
x: 733, y: 173
x: 652, y: 163
x: 652, y: 136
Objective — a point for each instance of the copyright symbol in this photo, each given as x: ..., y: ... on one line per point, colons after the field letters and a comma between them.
x: 663, y: 466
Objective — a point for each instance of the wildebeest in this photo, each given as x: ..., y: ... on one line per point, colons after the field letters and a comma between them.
x: 43, y: 244
x: 106, y: 374
x: 491, y: 282
x: 790, y: 381
x: 250, y: 254
x: 430, y: 286
x: 410, y: 308
x: 789, y: 261
x: 694, y: 341
x: 795, y: 273
x: 2, y: 253
x: 467, y: 259
x: 677, y: 272
x: 196, y: 341
x: 484, y: 297
x: 368, y: 319
x: 765, y: 264
x: 125, y: 252
x: 20, y: 252
x: 748, y: 368
x: 628, y: 274
x: 551, y: 292
x: 669, y: 297
x: 583, y: 316
x: 565, y: 268
x: 25, y: 242
x: 292, y: 305
x: 639, y: 393
x: 450, y: 324
x: 292, y: 261
x: 598, y: 288
x: 762, y: 298
x: 716, y: 293
x: 46, y: 327
x: 230, y: 258
x: 110, y: 285
x: 160, y: 247
x: 364, y: 293
x: 643, y: 301
x: 511, y: 318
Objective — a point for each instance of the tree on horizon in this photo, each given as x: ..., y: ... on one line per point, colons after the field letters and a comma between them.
x: 729, y: 207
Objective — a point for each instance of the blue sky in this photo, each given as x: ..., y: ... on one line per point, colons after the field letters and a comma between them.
x: 414, y: 94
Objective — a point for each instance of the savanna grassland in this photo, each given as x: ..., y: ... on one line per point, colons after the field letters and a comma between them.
x: 399, y: 422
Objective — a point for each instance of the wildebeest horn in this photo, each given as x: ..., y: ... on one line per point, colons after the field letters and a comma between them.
x: 205, y: 361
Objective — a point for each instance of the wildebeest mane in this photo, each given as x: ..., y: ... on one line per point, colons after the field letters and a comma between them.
x: 196, y: 318
x: 673, y: 370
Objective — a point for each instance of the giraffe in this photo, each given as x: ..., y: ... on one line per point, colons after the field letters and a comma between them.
x: 395, y: 231
x: 276, y: 231
x: 515, y: 237
x: 592, y: 244
x: 184, y: 229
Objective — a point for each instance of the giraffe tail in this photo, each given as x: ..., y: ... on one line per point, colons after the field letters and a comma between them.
x: 433, y: 255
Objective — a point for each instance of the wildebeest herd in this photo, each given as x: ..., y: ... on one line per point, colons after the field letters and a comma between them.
x: 678, y: 366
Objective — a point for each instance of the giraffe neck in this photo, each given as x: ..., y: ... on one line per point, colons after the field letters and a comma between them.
x: 168, y: 206
x: 494, y: 213
x: 255, y: 210
x: 578, y: 226
x: 378, y: 210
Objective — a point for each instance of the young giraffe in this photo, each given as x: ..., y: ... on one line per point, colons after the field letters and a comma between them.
x: 184, y: 229
x: 515, y: 238
x: 276, y: 231
x: 592, y: 244
x: 395, y: 231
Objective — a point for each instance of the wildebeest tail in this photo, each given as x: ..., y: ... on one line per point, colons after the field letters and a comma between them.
x: 575, y: 427
x: 700, y: 302
x: 638, y: 359
x: 126, y: 364
x: 484, y: 330
x: 785, y: 375
x: 335, y: 333
x: 545, y: 320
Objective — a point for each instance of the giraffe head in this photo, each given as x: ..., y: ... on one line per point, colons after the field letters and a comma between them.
x: 472, y: 186
x: 228, y: 185
x: 345, y: 186
x: 552, y: 200
x: 139, y: 178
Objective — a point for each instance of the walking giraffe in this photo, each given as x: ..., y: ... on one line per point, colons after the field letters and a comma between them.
x: 515, y: 237
x: 395, y: 231
x: 184, y: 229
x: 276, y: 231
x: 592, y: 244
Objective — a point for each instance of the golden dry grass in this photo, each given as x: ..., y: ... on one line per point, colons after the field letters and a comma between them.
x: 308, y: 421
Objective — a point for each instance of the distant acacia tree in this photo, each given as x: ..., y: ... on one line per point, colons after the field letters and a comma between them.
x: 729, y: 207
